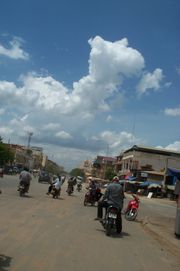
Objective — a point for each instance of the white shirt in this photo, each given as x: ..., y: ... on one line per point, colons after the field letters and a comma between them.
x: 57, y: 183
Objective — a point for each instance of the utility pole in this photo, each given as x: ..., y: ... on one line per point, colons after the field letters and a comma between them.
x: 30, y: 134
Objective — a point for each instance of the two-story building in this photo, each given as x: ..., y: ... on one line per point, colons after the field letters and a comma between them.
x: 141, y: 159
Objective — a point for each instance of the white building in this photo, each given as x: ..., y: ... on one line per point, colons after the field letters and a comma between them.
x: 140, y: 158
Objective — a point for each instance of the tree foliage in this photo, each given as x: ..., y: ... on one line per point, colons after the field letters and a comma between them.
x: 6, y: 154
x: 109, y: 174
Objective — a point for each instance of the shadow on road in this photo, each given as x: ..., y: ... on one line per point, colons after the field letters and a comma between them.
x: 5, y: 262
x: 115, y: 235
x: 27, y: 197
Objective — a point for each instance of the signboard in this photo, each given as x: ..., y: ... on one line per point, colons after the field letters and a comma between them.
x: 144, y: 174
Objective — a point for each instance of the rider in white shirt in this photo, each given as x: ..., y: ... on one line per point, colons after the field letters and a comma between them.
x: 57, y: 184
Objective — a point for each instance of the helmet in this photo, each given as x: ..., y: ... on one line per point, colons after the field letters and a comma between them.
x: 115, y: 179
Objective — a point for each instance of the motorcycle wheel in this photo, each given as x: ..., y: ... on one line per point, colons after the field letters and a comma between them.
x: 108, y: 228
x: 131, y: 214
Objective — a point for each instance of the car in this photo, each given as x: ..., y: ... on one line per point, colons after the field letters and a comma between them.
x: 44, y: 178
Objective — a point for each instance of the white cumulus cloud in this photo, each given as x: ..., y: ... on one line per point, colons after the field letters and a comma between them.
x: 14, y: 51
x: 150, y: 81
x: 172, y: 111
x: 63, y: 135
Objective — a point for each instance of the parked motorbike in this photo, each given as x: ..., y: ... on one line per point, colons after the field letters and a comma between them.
x: 131, y: 211
x: 112, y: 221
x: 55, y: 193
x: 89, y: 198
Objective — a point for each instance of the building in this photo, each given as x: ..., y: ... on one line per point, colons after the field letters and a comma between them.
x: 143, y: 160
x: 101, y: 164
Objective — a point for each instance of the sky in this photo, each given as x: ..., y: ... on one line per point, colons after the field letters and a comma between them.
x: 90, y: 77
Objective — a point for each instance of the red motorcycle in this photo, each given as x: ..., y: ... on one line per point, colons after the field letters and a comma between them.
x: 131, y: 211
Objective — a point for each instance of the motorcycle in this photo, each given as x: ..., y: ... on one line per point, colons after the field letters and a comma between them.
x: 131, y: 211
x: 79, y: 187
x: 112, y: 221
x: 89, y: 198
x: 70, y: 189
x: 22, y: 189
x: 55, y: 193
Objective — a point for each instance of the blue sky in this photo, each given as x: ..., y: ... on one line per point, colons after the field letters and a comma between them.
x: 90, y: 78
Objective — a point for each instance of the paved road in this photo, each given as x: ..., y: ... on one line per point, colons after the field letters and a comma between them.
x: 38, y: 233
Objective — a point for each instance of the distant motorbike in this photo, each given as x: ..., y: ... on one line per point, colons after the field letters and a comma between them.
x: 79, y: 187
x: 55, y: 192
x: 70, y: 189
x: 89, y: 198
x: 131, y: 211
x: 112, y: 221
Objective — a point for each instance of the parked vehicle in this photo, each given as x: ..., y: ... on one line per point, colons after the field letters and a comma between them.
x: 131, y: 211
x: 112, y: 221
x: 44, y: 178
x: 89, y: 198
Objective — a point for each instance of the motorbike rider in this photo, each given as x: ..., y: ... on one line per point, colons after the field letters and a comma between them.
x: 25, y: 178
x: 56, y: 183
x: 71, y: 182
x: 92, y: 189
x: 79, y: 183
x: 114, y: 194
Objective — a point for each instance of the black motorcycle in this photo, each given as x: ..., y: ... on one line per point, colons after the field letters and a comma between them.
x: 55, y: 193
x: 79, y: 187
x: 92, y: 198
x: 22, y: 189
x: 112, y: 221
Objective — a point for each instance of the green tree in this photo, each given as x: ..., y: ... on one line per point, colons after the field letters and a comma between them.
x: 109, y: 174
x: 6, y: 154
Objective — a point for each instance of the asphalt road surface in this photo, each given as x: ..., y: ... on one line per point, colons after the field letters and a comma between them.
x: 39, y: 233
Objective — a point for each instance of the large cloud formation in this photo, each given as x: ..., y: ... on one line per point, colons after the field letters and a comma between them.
x: 59, y: 116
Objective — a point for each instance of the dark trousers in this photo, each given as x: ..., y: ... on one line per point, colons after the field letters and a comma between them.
x: 50, y: 188
x: 104, y: 204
